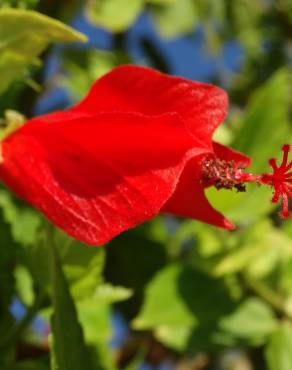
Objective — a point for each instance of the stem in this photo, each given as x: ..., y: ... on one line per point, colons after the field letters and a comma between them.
x: 119, y: 41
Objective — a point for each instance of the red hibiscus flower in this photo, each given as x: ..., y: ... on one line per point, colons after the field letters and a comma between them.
x: 140, y: 143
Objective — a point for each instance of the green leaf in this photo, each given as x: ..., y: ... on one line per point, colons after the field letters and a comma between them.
x: 95, y: 313
x: 163, y: 303
x: 8, y: 259
x: 175, y: 19
x: 24, y: 285
x: 162, y: 2
x: 259, y: 249
x: 266, y: 123
x: 278, y: 352
x: 29, y: 365
x: 175, y: 337
x: 114, y: 15
x: 164, y: 311
x: 285, y: 278
x: 95, y: 318
x: 252, y: 321
x: 83, y: 266
x: 246, y: 17
x: 107, y: 293
x: 180, y: 299
x: 12, y: 121
x: 265, y: 128
x: 137, y: 361
x: 19, y: 3
x: 36, y: 258
x: 70, y: 351
x: 24, y: 35
x: 122, y: 251
x: 24, y: 220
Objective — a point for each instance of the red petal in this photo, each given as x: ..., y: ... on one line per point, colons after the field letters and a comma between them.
x: 97, y: 175
x: 138, y: 89
x: 189, y: 200
x: 228, y: 154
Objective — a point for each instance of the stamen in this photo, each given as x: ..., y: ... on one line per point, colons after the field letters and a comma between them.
x: 285, y: 211
x: 228, y: 175
x: 223, y: 174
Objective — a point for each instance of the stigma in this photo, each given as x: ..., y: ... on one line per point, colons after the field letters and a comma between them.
x: 281, y: 180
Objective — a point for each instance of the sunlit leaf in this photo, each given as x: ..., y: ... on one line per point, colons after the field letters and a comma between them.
x: 24, y: 34
x: 114, y: 15
x: 24, y: 285
x: 107, y: 293
x: 175, y: 337
x: 162, y: 2
x: 28, y: 4
x: 179, y: 299
x: 252, y: 321
x: 163, y: 304
x: 246, y: 17
x: 258, y: 251
x: 24, y: 220
x: 175, y: 19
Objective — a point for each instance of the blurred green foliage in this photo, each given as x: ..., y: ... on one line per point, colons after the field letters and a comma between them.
x: 24, y: 34
x: 191, y: 294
